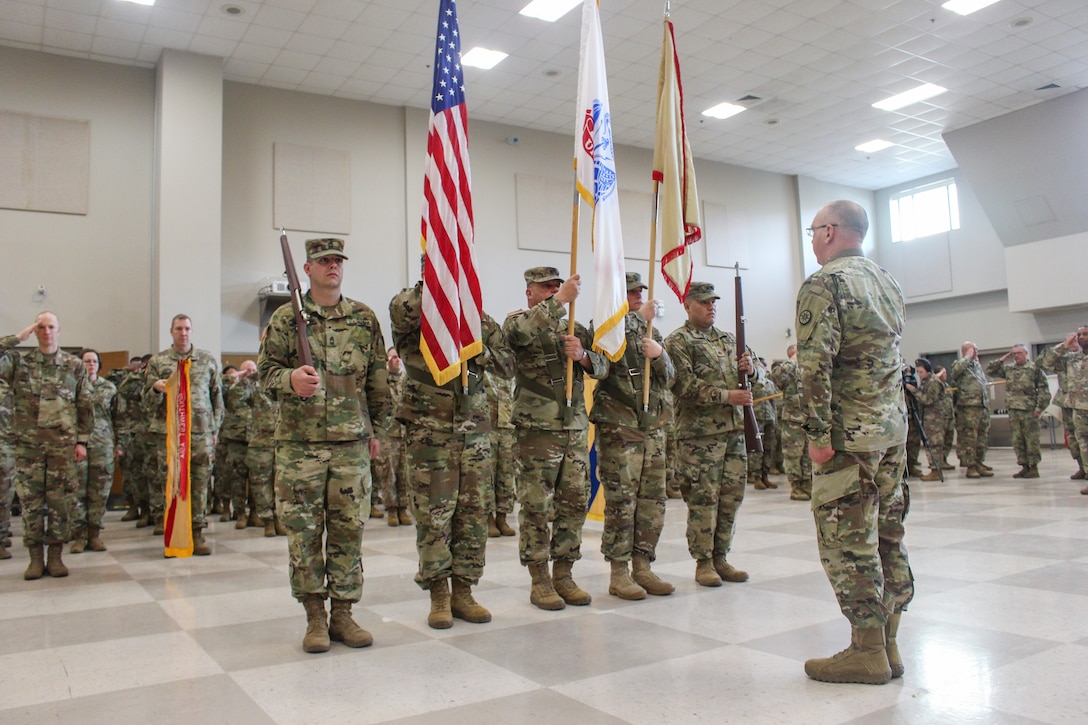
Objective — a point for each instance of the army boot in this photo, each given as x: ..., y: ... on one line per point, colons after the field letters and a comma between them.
x: 985, y: 471
x: 200, y: 547
x: 225, y: 515
x: 767, y: 481
x: 94, y: 542
x: 53, y: 564
x: 983, y: 467
x: 36, y: 568
x: 254, y: 521
x: 1022, y: 473
x: 673, y: 492
x: 269, y: 528
x: 758, y: 483
x: 79, y: 541
x: 728, y: 572
x: 565, y: 586
x: 492, y: 529
x: 440, y: 616
x: 1032, y: 471
x: 504, y: 528
x: 342, y: 628
x: 914, y: 470
x: 543, y: 594
x: 145, y: 518
x: 892, y: 647
x: 946, y: 466
x: 621, y: 585
x: 375, y: 512
x: 1078, y: 476
x: 464, y: 606
x: 159, y: 529
x: 641, y: 574
x: 133, y: 513
x: 865, y: 661
x: 392, y: 519
x: 5, y: 553
x: 705, y: 576
x: 934, y: 475
x: 281, y: 530
x: 405, y: 517
x: 316, y: 638
x: 973, y: 472
x: 240, y: 520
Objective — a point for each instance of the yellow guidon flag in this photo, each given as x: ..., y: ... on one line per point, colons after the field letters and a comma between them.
x: 178, y: 524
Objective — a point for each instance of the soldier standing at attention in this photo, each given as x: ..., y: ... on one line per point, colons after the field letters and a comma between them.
x: 1062, y: 400
x: 390, y: 467
x: 972, y: 412
x: 231, y: 471
x: 51, y: 420
x: 710, y: 429
x: 1073, y: 356
x: 553, y: 439
x: 1027, y: 394
x: 631, y: 452
x: 129, y: 405
x: 448, y: 441
x: 325, y: 440
x: 94, y: 474
x: 794, y: 444
x: 504, y: 457
x: 928, y: 396
x: 206, y: 405
x: 849, y: 325
x: 759, y: 462
x: 261, y: 457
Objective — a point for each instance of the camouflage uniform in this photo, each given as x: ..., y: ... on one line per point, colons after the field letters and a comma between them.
x: 94, y: 474
x: 759, y: 462
x: 1027, y: 394
x: 849, y: 326
x: 322, y: 455
x: 448, y: 440
x: 390, y: 468
x: 794, y: 443
x: 972, y: 411
x: 928, y: 398
x: 1061, y: 399
x: 231, y: 472
x: 631, y: 447
x: 948, y: 412
x: 128, y: 419
x: 7, y: 469
x: 52, y: 411
x: 1075, y: 365
x: 504, y: 441
x: 261, y: 452
x: 206, y: 406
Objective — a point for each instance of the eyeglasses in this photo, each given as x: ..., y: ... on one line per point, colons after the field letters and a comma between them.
x: 812, y: 230
x: 330, y: 260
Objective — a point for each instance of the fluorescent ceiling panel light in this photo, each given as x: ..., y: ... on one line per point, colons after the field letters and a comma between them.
x: 550, y: 10
x: 966, y: 7
x: 140, y: 2
x: 921, y: 93
x: 724, y: 110
x: 871, y: 147
x: 482, y: 58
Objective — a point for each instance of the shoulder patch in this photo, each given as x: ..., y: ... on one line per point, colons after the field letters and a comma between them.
x: 516, y: 312
x: 805, y: 317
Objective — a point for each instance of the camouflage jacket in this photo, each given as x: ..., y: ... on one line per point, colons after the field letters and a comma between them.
x: 396, y: 391
x: 1075, y: 367
x: 444, y: 407
x: 104, y: 394
x: 204, y: 389
x: 349, y: 356
x: 969, y: 380
x: 706, y: 370
x: 1026, y: 386
x: 238, y: 408
x: 618, y: 398
x: 129, y: 405
x: 540, y: 392
x: 929, y: 395
x: 787, y: 378
x: 264, y: 411
x: 849, y: 325
x: 500, y: 398
x: 50, y: 396
x: 761, y: 388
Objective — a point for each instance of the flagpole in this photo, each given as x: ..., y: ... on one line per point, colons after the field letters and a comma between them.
x: 650, y: 289
x: 573, y: 271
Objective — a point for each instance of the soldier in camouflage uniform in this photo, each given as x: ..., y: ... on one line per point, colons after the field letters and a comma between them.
x: 972, y: 401
x: 504, y: 457
x: 448, y: 440
x: 672, y: 481
x: 128, y: 404
x: 206, y: 408
x: 231, y: 471
x: 795, y: 458
x: 1027, y: 394
x: 7, y: 470
x: 52, y: 417
x: 261, y: 459
x: 325, y: 440
x: 1061, y: 399
x: 927, y: 397
x: 948, y: 413
x: 145, y: 442
x: 759, y: 462
x: 1072, y: 355
x: 631, y: 451
x: 849, y: 326
x: 553, y: 438
x: 94, y: 474
x: 390, y: 468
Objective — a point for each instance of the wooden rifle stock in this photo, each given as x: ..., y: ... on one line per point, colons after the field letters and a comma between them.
x: 305, y: 357
x: 753, y: 441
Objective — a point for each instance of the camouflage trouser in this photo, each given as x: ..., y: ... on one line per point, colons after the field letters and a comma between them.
x: 451, y: 494
x: 859, y: 503
x: 232, y: 473
x: 949, y: 437
x: 1069, y: 422
x: 320, y: 490
x: 1025, y: 437
x: 914, y: 442
x: 934, y: 426
x: 94, y: 478
x: 972, y: 434
x: 147, y: 466
x: 712, y: 475
x: 795, y: 457
x: 1080, y: 426
x: 44, y: 479
x: 7, y: 486
x: 631, y: 466
x: 261, y: 464
x: 759, y: 463
x: 778, y: 453
x: 390, y: 472
x: 672, y: 482
x: 200, y: 470
x: 554, y: 473
x: 126, y: 463
x: 504, y: 461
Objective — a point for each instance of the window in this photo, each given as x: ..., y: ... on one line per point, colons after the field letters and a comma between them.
x: 924, y: 211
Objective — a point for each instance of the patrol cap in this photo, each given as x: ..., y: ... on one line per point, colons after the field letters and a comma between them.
x: 324, y: 247
x: 535, y: 275
x: 634, y: 282
x: 702, y: 291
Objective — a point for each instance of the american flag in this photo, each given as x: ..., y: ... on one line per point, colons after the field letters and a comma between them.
x: 452, y: 305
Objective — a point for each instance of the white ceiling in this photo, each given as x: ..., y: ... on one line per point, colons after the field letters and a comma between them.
x: 816, y: 65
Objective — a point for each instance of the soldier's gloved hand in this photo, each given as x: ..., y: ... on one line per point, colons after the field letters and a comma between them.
x: 651, y: 348
x: 305, y: 381
x: 568, y: 291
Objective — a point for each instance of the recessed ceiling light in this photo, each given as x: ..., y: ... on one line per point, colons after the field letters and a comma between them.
x: 232, y: 10
x: 1022, y: 22
x: 724, y: 110
x: 550, y: 10
x: 966, y: 7
x: 140, y: 2
x: 871, y: 147
x: 921, y: 93
x: 482, y: 58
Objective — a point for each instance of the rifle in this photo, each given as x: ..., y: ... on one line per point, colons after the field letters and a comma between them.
x: 753, y: 441
x: 305, y: 357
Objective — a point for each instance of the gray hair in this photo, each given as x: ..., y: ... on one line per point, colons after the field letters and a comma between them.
x: 850, y: 215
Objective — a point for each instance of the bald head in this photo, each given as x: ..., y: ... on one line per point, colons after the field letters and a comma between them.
x: 839, y: 225
x: 46, y: 329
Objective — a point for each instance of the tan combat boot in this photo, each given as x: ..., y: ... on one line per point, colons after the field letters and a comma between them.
x: 254, y: 521
x: 392, y: 519
x: 504, y: 528
x: 492, y: 529
x: 133, y: 513
x: 933, y: 475
x: 281, y: 530
x: 543, y: 594
x: 464, y: 606
x: 705, y: 575
x: 440, y: 616
x: 36, y: 568
x: 768, y: 482
x: 985, y: 471
x: 5, y: 553
x: 316, y: 638
x: 640, y: 572
x: 240, y: 520
x: 53, y: 563
x: 200, y: 547
x: 973, y: 472
x: 405, y: 517
x: 94, y: 542
x: 1032, y: 471
x: 375, y: 512
x: 342, y: 628
x: 145, y: 518
x: 564, y: 584
x: 865, y: 661
x: 758, y: 483
x: 269, y: 528
x: 225, y: 515
x: 159, y: 529
x: 79, y: 541
x: 892, y: 647
x: 1022, y: 473
x: 728, y: 572
x: 621, y: 585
